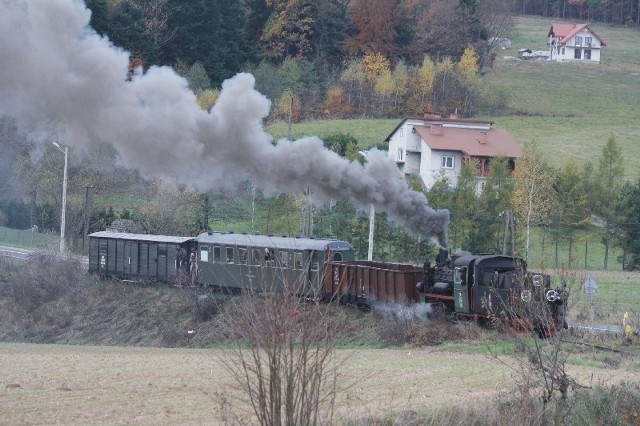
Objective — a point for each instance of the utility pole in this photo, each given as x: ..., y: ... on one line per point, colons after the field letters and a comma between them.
x: 85, y: 223
x: 64, y: 195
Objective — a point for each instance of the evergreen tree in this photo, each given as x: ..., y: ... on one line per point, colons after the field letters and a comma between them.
x: 629, y: 210
x: 495, y: 200
x: 609, y: 183
x: 464, y: 208
x: 575, y: 212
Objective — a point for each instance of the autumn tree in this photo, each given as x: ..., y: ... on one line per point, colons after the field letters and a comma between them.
x: 374, y: 25
x: 172, y: 211
x: 422, y: 80
x: 336, y: 103
x: 400, y: 78
x: 467, y: 69
x: 384, y: 87
x: 287, y: 32
x: 445, y: 86
x: 288, y: 107
x: 533, y: 198
x: 354, y: 78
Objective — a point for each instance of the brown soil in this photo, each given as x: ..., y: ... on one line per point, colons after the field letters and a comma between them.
x: 49, y: 384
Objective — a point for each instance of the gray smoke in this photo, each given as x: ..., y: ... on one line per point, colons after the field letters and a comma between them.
x: 58, y: 76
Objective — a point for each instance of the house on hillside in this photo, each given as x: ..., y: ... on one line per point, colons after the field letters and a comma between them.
x: 433, y: 147
x: 574, y: 42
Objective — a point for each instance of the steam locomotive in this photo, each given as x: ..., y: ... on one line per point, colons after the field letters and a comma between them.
x: 479, y: 287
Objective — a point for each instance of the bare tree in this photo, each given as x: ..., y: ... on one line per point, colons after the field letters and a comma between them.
x: 533, y: 314
x: 497, y: 20
x: 283, y: 356
x: 156, y: 16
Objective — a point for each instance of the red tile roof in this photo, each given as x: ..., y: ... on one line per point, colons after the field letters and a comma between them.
x: 565, y: 31
x: 468, y: 141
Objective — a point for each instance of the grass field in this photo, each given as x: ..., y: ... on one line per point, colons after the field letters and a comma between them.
x: 62, y: 384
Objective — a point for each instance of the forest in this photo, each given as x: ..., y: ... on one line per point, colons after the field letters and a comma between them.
x: 336, y: 58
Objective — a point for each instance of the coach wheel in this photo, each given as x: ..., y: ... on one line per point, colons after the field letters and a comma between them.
x: 526, y: 295
x: 552, y: 295
x: 537, y: 280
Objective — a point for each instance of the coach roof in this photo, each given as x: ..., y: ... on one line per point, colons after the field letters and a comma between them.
x: 285, y: 243
x: 140, y: 237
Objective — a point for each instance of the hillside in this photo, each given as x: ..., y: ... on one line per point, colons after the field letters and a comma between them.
x: 570, y: 109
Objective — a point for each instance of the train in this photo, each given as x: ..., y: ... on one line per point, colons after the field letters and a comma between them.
x: 479, y: 287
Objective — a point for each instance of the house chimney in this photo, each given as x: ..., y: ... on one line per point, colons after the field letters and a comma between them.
x: 436, y: 129
x: 483, y: 138
x: 454, y: 116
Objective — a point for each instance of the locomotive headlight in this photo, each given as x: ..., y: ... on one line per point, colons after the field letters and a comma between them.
x: 537, y: 280
x: 552, y: 295
x: 525, y: 295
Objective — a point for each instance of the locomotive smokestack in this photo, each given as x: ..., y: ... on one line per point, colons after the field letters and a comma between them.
x: 57, y: 73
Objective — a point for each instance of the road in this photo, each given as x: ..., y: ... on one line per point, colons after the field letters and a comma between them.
x: 23, y: 254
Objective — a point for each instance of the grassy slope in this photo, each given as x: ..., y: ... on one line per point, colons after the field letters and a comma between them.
x: 572, y: 108
x: 568, y: 108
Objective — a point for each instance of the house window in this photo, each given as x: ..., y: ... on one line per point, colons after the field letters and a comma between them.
x: 399, y: 154
x: 447, y: 162
x: 562, y: 50
x: 587, y: 54
x: 577, y: 54
x: 578, y: 41
x: 587, y: 41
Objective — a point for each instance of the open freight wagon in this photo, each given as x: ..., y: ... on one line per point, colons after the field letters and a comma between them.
x: 367, y: 282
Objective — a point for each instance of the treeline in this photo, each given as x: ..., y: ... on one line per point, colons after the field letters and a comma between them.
x: 555, y: 202
x: 617, y: 12
x: 321, y: 58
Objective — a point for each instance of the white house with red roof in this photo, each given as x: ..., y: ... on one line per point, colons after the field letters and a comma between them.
x: 574, y: 42
x: 435, y: 147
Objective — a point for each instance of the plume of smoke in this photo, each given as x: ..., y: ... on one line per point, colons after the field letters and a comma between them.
x: 408, y: 313
x: 57, y: 74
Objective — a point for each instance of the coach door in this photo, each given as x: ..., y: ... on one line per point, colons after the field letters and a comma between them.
x: 130, y: 259
x: 162, y: 262
x: 102, y: 256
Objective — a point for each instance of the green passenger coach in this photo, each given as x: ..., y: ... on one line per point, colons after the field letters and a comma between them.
x: 261, y: 262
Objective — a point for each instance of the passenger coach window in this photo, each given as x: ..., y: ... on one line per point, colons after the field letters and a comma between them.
x: 216, y: 253
x: 204, y: 253
x: 337, y: 256
x: 257, y: 257
x: 297, y: 260
x: 242, y: 256
x: 229, y: 254
x: 315, y: 262
x: 284, y: 259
